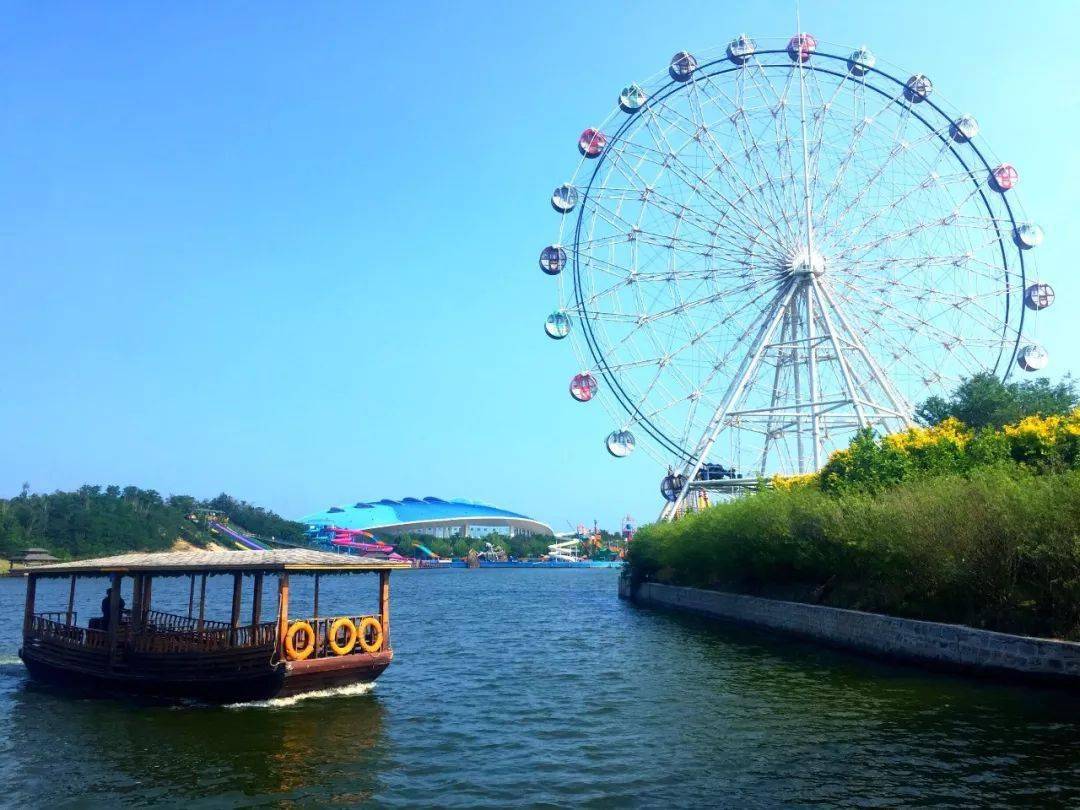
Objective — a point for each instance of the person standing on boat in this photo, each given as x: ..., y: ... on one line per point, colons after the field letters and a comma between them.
x: 105, y: 608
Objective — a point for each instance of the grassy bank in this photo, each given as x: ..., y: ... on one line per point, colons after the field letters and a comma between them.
x: 997, y: 548
x: 948, y: 523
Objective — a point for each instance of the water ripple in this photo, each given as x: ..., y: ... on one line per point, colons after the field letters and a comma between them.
x: 541, y: 688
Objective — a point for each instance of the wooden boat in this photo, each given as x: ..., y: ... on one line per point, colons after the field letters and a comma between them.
x: 142, y: 650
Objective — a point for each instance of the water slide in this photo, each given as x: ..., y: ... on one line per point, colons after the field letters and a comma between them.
x: 429, y: 558
x: 239, y: 537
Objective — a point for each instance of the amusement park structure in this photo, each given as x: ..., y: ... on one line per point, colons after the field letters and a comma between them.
x: 768, y: 248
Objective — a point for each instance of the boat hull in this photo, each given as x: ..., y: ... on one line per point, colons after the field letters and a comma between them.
x: 332, y: 673
x: 270, y: 681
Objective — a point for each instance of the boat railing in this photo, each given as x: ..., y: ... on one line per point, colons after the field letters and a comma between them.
x: 321, y: 626
x: 57, y: 615
x: 160, y: 620
x: 47, y: 629
x: 209, y: 639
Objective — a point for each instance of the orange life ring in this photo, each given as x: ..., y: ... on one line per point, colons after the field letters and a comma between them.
x: 290, y: 641
x: 377, y: 641
x: 350, y: 641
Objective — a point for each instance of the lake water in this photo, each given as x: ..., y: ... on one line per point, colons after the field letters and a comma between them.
x: 531, y: 687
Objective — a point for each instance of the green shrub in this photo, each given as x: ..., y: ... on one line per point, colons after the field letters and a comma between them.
x: 997, y: 547
x: 973, y: 522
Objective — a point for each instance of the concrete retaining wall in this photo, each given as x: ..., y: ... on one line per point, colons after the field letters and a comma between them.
x: 947, y: 646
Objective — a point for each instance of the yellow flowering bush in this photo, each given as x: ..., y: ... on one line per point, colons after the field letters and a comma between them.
x: 951, y: 432
x: 789, y: 482
x: 1045, y: 441
x: 871, y: 464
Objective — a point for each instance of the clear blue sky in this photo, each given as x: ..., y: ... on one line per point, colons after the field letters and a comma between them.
x: 288, y: 251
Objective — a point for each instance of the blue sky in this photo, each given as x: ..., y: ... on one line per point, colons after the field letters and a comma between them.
x: 290, y: 252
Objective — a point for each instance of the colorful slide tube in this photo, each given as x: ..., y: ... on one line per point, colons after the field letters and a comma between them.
x: 242, y: 539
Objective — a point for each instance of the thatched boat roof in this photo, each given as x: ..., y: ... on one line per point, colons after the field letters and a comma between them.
x: 222, y: 562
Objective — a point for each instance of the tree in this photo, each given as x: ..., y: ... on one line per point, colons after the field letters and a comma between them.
x: 95, y: 521
x: 984, y: 401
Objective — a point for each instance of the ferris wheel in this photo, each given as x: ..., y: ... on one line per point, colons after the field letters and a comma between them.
x: 766, y: 249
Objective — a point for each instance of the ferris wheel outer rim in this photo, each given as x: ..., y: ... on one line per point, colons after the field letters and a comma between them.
x: 672, y: 87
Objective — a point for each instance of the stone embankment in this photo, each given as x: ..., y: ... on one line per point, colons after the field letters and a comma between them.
x: 942, y: 646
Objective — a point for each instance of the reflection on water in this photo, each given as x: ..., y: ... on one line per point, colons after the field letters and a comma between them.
x: 514, y: 687
x: 326, y: 748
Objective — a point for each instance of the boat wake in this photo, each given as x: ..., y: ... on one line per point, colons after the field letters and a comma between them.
x: 12, y: 666
x: 352, y: 690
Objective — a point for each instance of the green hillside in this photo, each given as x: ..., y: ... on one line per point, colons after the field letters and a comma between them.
x: 96, y: 520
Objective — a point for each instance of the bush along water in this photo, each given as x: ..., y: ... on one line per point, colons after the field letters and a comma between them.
x: 946, y: 523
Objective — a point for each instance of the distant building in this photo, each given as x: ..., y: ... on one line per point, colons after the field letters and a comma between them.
x: 433, y: 516
x: 31, y: 558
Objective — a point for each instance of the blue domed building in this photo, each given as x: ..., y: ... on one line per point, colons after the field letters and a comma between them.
x: 430, y: 515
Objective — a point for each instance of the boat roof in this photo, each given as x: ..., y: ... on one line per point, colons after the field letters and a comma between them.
x: 185, y: 562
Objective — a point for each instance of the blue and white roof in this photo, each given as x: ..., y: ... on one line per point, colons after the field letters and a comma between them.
x: 421, y: 514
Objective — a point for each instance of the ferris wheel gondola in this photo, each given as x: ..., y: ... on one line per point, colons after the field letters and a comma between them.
x: 768, y: 248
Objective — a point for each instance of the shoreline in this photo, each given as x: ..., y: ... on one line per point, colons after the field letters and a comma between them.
x: 935, y: 645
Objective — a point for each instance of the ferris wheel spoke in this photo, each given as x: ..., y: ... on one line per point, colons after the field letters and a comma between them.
x: 964, y: 257
x: 704, y: 134
x: 868, y: 185
x: 969, y: 306
x: 857, y: 135
x: 655, y: 239
x: 822, y: 117
x: 919, y: 282
x: 696, y: 184
x: 892, y: 237
x: 759, y: 294
x: 932, y: 271
x: 724, y: 208
x: 900, y: 348
x: 718, y: 250
x: 630, y: 233
x: 720, y: 158
x: 643, y: 397
x: 647, y: 362
x: 650, y: 195
x: 919, y: 326
x: 784, y: 188
x: 928, y: 170
x: 671, y: 357
x: 750, y: 144
x: 897, y: 347
x: 931, y: 180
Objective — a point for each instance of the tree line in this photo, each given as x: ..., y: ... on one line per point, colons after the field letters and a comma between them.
x: 100, y: 520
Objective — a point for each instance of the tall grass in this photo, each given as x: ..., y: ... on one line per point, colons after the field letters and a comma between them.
x: 997, y: 547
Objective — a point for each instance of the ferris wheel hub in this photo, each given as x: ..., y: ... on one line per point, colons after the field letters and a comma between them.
x: 806, y: 263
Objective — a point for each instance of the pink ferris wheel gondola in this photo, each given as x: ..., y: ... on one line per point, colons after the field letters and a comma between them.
x: 1004, y: 177
x: 592, y: 142
x: 801, y: 46
x: 583, y: 387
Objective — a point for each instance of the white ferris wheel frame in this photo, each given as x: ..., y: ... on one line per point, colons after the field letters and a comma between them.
x: 804, y: 322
